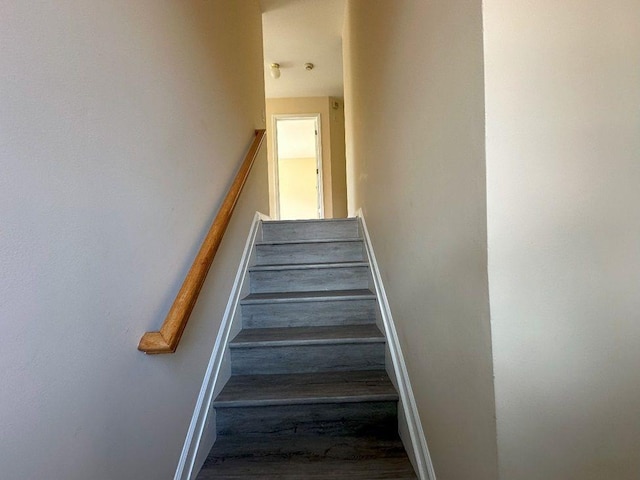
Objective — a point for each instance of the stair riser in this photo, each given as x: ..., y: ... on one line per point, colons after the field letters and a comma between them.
x: 309, y: 279
x: 385, y: 465
x: 314, y: 448
x: 308, y: 314
x: 307, y: 359
x: 320, y: 230
x: 299, y: 253
x: 376, y: 419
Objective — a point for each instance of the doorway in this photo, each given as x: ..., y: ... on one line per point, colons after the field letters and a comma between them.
x: 298, y: 166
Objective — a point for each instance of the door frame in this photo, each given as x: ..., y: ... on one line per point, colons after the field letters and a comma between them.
x: 274, y: 142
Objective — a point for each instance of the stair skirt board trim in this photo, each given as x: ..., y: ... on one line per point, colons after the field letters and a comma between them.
x: 185, y: 469
x: 416, y: 432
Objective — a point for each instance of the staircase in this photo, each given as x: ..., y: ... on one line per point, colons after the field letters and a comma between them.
x: 309, y: 396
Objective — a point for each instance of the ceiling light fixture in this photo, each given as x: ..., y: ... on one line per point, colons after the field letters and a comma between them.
x: 274, y: 69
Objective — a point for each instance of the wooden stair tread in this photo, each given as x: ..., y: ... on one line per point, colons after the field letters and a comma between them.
x: 307, y: 266
x: 265, y: 337
x: 308, y: 241
x: 310, y: 229
x: 297, y: 457
x: 311, y: 220
x: 306, y: 388
x: 313, y: 296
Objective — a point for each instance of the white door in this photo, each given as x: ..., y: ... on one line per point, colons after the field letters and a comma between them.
x: 299, y: 167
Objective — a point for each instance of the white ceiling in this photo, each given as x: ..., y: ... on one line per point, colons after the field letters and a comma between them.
x: 300, y: 31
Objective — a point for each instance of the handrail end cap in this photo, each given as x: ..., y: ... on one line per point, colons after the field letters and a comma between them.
x: 153, y: 343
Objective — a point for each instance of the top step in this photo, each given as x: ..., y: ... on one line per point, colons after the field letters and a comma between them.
x: 334, y: 229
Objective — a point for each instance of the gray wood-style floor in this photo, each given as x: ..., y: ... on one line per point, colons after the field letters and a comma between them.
x: 296, y: 457
x: 309, y: 396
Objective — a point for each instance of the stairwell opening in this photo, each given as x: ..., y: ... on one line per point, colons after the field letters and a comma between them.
x: 304, y: 38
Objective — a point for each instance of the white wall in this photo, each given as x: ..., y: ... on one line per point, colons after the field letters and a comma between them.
x: 415, y: 164
x: 122, y: 124
x: 563, y: 177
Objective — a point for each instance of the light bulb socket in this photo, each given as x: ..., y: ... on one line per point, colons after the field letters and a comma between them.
x: 274, y: 69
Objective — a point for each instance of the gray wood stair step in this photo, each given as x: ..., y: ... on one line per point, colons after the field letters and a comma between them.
x: 306, y: 388
x: 306, y: 266
x: 309, y: 277
x: 310, y: 229
x: 317, y: 457
x: 309, y: 251
x: 378, y: 419
x: 310, y: 358
x: 307, y: 350
x: 342, y: 334
x: 308, y: 241
x: 311, y: 296
x: 305, y: 309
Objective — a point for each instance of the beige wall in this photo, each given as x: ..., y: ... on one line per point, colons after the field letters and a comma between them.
x: 298, y: 195
x: 415, y: 152
x: 563, y: 176
x: 332, y: 157
x: 338, y: 158
x: 122, y: 124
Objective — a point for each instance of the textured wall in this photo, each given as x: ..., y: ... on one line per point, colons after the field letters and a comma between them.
x: 414, y: 105
x: 563, y: 171
x: 122, y: 124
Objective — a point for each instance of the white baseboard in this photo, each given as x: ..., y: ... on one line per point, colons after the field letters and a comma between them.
x: 407, y: 399
x: 185, y: 468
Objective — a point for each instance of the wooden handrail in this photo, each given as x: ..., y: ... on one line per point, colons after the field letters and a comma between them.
x: 166, y: 340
